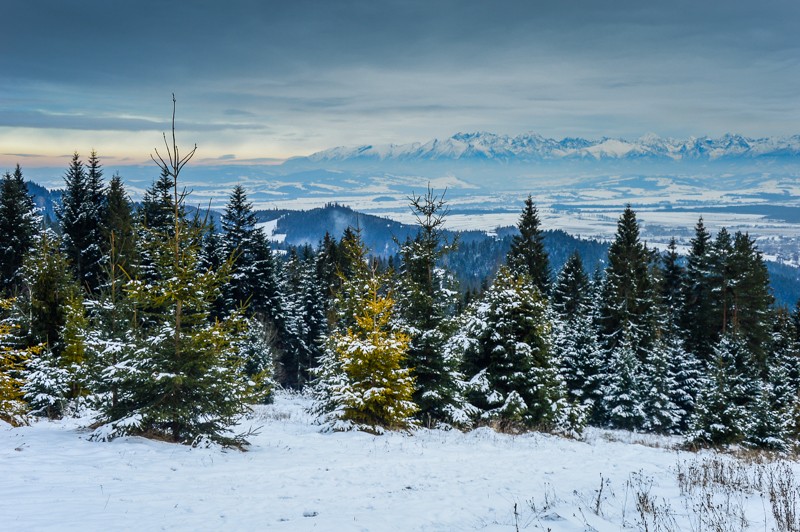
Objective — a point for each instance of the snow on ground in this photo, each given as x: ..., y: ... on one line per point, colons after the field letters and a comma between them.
x: 296, y: 478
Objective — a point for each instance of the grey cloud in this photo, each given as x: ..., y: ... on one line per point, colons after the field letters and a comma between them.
x: 41, y: 119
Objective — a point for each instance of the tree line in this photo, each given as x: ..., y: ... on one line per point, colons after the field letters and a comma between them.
x: 169, y: 326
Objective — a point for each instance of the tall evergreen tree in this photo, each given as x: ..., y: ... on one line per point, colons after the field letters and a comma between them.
x: 81, y: 217
x: 697, y: 315
x: 527, y: 255
x: 119, y: 231
x: 426, y: 303
x: 628, y: 296
x: 18, y: 224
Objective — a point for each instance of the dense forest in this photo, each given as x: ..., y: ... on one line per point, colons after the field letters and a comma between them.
x: 167, y: 323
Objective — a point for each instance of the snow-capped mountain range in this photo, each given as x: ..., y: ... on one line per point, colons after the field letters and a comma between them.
x: 533, y: 147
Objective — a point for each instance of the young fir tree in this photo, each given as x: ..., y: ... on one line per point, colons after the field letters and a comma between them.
x: 81, y: 217
x: 426, y: 303
x: 18, y: 224
x: 527, y: 255
x: 361, y: 380
x: 507, y: 358
x: 183, y: 378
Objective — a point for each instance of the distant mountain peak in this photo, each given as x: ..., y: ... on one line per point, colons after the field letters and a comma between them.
x: 528, y: 147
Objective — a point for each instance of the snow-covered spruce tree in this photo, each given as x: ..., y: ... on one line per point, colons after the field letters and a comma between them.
x: 527, y: 255
x: 696, y: 316
x: 48, y: 287
x: 255, y: 284
x: 257, y: 350
x: 574, y: 335
x: 723, y: 410
x: 512, y: 377
x: 81, y: 217
x: 783, y: 374
x: 426, y: 304
x: 240, y: 242
x: 361, y: 380
x: 296, y: 353
x: 183, y: 380
x: 684, y: 372
x: 627, y: 319
x: 623, y: 395
x: 119, y: 233
x: 18, y: 224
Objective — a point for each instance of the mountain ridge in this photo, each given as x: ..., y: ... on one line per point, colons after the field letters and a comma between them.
x: 530, y: 147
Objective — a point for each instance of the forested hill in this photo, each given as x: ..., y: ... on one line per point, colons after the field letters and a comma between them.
x: 476, y: 258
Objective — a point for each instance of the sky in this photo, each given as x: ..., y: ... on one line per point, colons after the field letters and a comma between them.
x: 258, y: 81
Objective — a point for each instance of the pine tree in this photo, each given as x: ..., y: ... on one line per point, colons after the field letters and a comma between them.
x: 81, y: 217
x: 18, y: 223
x: 361, y: 382
x: 527, y: 255
x: 426, y: 304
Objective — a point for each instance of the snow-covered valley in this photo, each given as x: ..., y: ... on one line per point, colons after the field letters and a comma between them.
x: 293, y: 477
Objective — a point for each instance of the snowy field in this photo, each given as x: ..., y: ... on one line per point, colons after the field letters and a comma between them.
x: 295, y: 478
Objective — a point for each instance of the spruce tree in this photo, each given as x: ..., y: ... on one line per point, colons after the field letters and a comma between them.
x: 361, y: 380
x: 697, y: 314
x: 512, y: 377
x: 183, y: 379
x: 81, y: 217
x: 119, y: 233
x: 527, y: 255
x: 628, y: 294
x: 723, y: 411
x: 426, y: 304
x: 18, y: 224
x: 574, y: 334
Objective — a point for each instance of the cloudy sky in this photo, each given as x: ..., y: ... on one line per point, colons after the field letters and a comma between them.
x: 263, y: 80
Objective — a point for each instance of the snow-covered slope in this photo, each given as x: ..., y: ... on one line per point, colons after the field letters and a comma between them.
x: 296, y: 478
x: 533, y: 147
